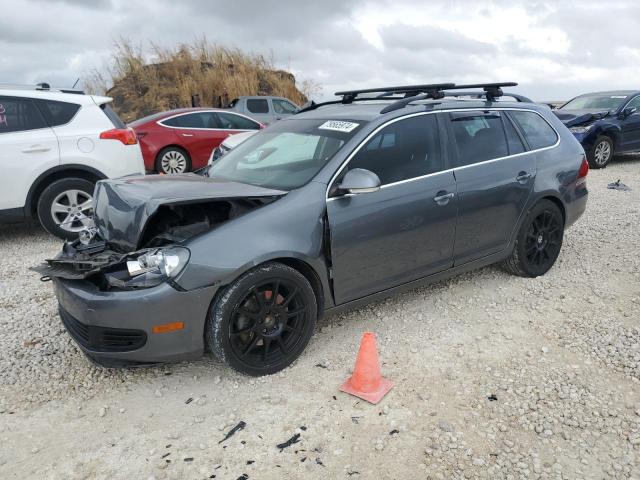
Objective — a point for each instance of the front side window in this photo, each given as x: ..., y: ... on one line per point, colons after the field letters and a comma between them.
x: 236, y: 122
x: 634, y: 103
x: 58, y: 113
x: 287, y: 155
x: 257, y: 105
x: 536, y: 130
x: 19, y: 114
x: 405, y: 149
x: 283, y: 107
x: 479, y: 136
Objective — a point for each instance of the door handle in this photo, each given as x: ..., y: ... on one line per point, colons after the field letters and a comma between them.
x: 442, y: 198
x: 36, y: 149
x: 523, y: 177
x: 187, y: 134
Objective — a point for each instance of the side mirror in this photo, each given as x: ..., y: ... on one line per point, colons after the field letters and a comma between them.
x: 358, y: 181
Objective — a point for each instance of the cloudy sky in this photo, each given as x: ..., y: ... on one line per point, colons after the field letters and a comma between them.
x: 553, y: 49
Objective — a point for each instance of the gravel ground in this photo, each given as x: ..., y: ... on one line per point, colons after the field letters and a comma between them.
x: 495, y: 377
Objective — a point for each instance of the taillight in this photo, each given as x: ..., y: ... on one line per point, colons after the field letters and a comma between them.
x: 583, y: 172
x: 125, y: 135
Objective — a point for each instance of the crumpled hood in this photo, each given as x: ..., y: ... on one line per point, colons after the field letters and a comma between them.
x: 578, y: 117
x: 122, y: 207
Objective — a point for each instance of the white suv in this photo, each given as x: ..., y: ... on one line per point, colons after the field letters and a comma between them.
x: 54, y: 146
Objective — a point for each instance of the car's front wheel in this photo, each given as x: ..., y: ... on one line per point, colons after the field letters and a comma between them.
x: 601, y: 153
x: 263, y: 321
x: 538, y: 242
x: 66, y: 207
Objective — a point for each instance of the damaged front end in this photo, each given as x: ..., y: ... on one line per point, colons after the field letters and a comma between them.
x: 108, y: 269
x: 141, y: 224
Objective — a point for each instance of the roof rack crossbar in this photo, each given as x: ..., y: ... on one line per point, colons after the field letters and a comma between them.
x: 348, y: 96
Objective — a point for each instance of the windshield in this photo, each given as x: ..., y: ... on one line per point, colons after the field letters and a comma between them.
x: 286, y: 155
x: 595, y: 102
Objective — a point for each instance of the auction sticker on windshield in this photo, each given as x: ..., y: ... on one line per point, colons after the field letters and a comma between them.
x: 338, y: 126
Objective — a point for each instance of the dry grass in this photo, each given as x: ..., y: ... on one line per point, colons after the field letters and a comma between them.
x: 213, y: 73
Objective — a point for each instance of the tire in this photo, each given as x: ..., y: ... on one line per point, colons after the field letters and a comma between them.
x: 538, y: 242
x: 66, y: 206
x: 172, y: 160
x: 601, y: 153
x: 257, y: 332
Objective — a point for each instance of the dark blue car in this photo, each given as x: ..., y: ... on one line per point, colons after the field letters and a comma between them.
x: 605, y: 123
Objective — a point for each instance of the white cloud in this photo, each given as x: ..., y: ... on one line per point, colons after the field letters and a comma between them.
x: 553, y: 49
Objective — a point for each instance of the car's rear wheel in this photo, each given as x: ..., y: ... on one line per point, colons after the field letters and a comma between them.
x: 173, y: 160
x: 263, y: 321
x: 601, y: 153
x: 66, y: 207
x: 538, y: 242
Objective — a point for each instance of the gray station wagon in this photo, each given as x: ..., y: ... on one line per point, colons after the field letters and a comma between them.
x: 341, y: 204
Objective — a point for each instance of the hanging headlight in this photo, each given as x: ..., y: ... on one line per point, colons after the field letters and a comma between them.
x: 155, y: 266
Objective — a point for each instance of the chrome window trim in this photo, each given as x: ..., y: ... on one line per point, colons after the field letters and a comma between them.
x: 413, y: 179
x: 159, y: 122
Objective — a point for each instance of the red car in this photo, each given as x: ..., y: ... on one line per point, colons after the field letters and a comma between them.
x: 181, y: 140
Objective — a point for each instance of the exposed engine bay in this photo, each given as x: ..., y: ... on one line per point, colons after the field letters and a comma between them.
x: 140, y: 225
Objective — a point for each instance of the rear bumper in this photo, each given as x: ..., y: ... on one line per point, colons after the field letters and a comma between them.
x: 116, y: 328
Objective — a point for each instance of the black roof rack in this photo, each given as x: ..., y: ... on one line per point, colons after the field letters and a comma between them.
x: 349, y: 96
x: 411, y: 93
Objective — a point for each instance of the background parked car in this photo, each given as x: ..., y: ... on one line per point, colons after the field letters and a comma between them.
x: 263, y: 108
x: 54, y: 146
x: 605, y: 123
x: 182, y: 140
x: 229, y: 144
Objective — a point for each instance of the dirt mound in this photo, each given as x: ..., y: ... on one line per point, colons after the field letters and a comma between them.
x: 202, y: 74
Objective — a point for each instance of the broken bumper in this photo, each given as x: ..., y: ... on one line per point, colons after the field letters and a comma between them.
x: 115, y: 328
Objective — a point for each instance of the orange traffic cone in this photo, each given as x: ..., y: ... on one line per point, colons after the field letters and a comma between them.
x: 367, y: 382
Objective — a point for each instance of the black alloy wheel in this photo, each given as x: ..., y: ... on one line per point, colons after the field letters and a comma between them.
x: 538, y: 241
x: 543, y: 240
x: 264, y: 320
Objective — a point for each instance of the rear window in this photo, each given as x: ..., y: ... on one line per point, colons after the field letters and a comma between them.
x: 113, y: 116
x: 19, y: 114
x: 257, y: 105
x: 537, y: 131
x: 57, y: 113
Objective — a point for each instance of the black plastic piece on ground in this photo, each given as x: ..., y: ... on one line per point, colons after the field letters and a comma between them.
x: 233, y: 431
x: 288, y: 443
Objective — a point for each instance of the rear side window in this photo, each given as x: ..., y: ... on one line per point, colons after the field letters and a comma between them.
x: 113, y: 116
x: 537, y: 131
x: 479, y: 136
x: 236, y: 122
x: 193, y: 120
x: 19, y: 114
x: 57, y: 113
x: 405, y: 149
x: 513, y: 139
x: 257, y: 105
